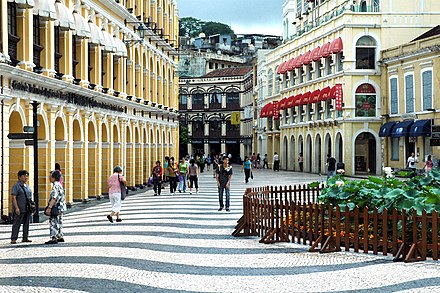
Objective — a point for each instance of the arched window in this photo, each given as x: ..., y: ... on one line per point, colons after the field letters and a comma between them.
x: 197, y: 99
x: 364, y: 6
x: 270, y: 83
x: 366, y: 53
x: 365, y: 101
x: 277, y: 81
x: 215, y: 99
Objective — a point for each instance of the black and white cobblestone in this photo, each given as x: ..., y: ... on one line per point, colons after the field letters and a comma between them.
x: 182, y: 244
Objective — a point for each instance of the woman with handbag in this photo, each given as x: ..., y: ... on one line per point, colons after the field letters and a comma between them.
x: 114, y: 193
x: 173, y: 172
x: 22, y: 206
x: 157, y: 173
x: 55, y: 209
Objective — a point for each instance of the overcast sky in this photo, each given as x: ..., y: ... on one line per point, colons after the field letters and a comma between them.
x: 244, y: 16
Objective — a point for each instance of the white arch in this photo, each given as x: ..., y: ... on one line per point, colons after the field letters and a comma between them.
x: 17, y: 108
x: 43, y: 114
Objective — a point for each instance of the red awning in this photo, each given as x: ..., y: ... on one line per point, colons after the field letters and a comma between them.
x: 298, y: 99
x: 299, y: 61
x: 290, y: 64
x: 316, y: 54
x: 270, y: 110
x: 263, y: 112
x: 325, y: 50
x: 335, y: 91
x: 314, y: 96
x: 337, y: 46
x: 282, y: 104
x: 305, y: 98
x: 290, y: 102
x: 325, y: 94
x: 307, y: 58
x: 281, y: 68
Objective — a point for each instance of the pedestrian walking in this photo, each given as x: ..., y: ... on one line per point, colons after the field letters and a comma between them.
x: 223, y: 177
x: 57, y: 201
x: 172, y: 171
x: 22, y: 207
x: 193, y: 177
x: 157, y: 174
x: 300, y: 162
x: 114, y: 193
x: 215, y: 164
x: 428, y: 164
x: 265, y: 162
x: 253, y: 160
x: 276, y: 162
x: 165, y: 167
x: 208, y: 163
x: 183, y: 170
x: 412, y: 164
x: 202, y: 163
x: 258, y: 161
x: 247, y: 167
x: 331, y: 166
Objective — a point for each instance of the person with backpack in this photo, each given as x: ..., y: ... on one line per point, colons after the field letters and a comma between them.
x: 331, y: 166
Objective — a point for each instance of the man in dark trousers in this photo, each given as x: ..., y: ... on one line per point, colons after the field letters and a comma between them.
x: 223, y: 177
x: 21, y: 205
x: 331, y: 166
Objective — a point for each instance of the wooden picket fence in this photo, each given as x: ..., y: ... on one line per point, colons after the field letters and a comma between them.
x: 293, y: 214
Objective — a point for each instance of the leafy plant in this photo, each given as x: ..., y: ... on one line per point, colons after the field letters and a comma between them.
x: 419, y: 193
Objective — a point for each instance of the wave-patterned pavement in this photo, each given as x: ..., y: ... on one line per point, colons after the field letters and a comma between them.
x: 181, y: 243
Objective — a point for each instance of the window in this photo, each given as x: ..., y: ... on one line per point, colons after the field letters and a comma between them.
x: 309, y: 69
x: 318, y: 72
x: 409, y: 93
x: 58, y: 54
x: 301, y: 113
x: 215, y: 127
x: 37, y: 43
x: 301, y: 75
x: 328, y: 107
x: 215, y: 97
x: 12, y: 19
x: 427, y: 89
x: 292, y: 115
x: 364, y: 6
x: 376, y: 5
x: 292, y: 77
x: 183, y: 99
x: 365, y: 101
x: 394, y: 149
x: 197, y: 100
x: 270, y: 83
x: 277, y: 81
x: 233, y: 98
x: 339, y: 59
x: 75, y: 55
x: 298, y: 6
x: 394, y: 96
x: 286, y: 80
x: 365, y: 53
x: 329, y: 67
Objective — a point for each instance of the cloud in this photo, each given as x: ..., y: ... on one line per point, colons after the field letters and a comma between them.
x: 244, y: 16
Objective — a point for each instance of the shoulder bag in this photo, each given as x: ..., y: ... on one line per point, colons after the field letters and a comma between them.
x: 124, y: 189
x: 30, y: 204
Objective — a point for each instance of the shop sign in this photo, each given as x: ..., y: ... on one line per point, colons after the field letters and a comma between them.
x: 435, y: 142
x: 231, y: 141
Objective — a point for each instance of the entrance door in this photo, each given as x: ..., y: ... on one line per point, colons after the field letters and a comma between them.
x: 365, y: 154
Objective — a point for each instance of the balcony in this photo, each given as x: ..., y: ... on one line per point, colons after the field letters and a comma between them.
x: 215, y: 106
x: 197, y: 106
x: 233, y: 106
x: 183, y: 107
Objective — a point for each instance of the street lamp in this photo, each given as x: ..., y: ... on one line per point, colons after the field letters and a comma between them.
x: 140, y: 30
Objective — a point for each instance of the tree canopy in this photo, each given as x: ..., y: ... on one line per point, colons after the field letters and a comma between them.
x: 192, y: 27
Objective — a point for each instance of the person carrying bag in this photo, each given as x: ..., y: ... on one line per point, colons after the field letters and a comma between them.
x: 55, y: 208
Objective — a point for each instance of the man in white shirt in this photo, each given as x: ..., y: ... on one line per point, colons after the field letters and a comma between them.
x: 276, y: 162
x: 412, y: 164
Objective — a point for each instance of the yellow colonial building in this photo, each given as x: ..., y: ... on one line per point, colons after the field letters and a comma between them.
x: 323, y: 86
x: 411, y: 76
x: 103, y: 75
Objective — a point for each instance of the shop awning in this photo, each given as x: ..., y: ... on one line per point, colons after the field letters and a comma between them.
x: 316, y: 54
x: 307, y: 58
x: 270, y: 110
x: 305, y: 99
x: 263, y: 112
x: 64, y: 17
x: 325, y: 50
x: 45, y: 9
x: 337, y: 46
x: 290, y: 64
x: 290, y: 102
x: 420, y: 128
x: 23, y: 3
x: 402, y: 128
x: 314, y: 96
x: 386, y: 129
x: 298, y: 100
x: 281, y: 68
x: 324, y: 95
x: 82, y: 28
x: 282, y: 104
x: 298, y: 61
x: 332, y: 94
